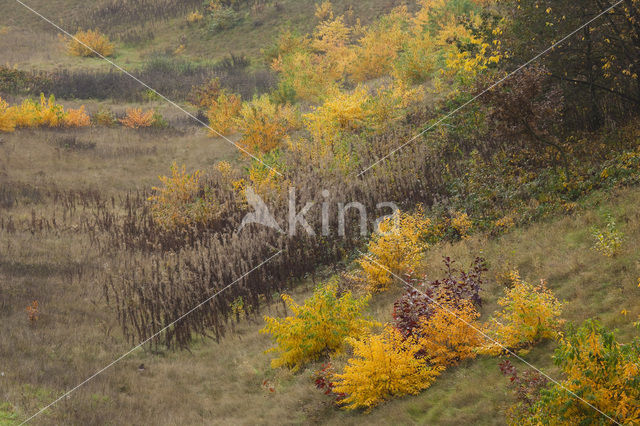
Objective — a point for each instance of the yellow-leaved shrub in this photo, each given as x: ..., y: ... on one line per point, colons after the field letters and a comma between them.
x: 378, y: 48
x: 223, y: 110
x: 182, y: 200
x: 77, y: 118
x: 340, y: 111
x: 395, y: 249
x: 529, y: 314
x: 7, y: 117
x: 317, y: 328
x: 137, y: 119
x: 90, y: 43
x: 264, y: 124
x: 599, y: 369
x: 383, y: 366
x: 45, y: 113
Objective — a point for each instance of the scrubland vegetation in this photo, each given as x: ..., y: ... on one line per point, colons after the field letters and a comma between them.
x: 505, y: 289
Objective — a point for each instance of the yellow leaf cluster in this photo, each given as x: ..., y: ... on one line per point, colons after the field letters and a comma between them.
x: 377, y: 50
x: 318, y: 327
x: 599, y: 369
x: 461, y: 223
x: 90, y: 43
x: 395, y: 249
x: 194, y: 17
x: 529, y: 314
x: 324, y: 10
x: 340, y: 111
x: 383, y: 366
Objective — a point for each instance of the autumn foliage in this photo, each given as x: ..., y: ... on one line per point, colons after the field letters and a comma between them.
x: 7, y: 117
x: 90, y: 43
x: 43, y: 113
x: 599, y: 369
x: 396, y: 249
x: 452, y: 333
x: 137, y: 119
x: 317, y: 328
x: 529, y: 314
x: 223, y: 109
x: 182, y: 200
x: 264, y: 125
x: 384, y: 366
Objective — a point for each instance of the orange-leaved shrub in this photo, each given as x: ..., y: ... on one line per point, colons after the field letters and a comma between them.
x: 90, y: 43
x: 317, y: 328
x: 529, y: 314
x: 383, y: 366
x: 77, y: 118
x: 396, y: 249
x: 452, y: 333
x: 137, y: 119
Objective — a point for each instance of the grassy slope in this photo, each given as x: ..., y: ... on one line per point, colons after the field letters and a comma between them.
x: 222, y: 383
x: 30, y: 43
x: 474, y: 393
x: 77, y: 334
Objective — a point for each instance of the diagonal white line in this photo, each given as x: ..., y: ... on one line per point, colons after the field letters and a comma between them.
x: 509, y: 351
x: 493, y: 86
x: 198, y: 306
x: 149, y: 87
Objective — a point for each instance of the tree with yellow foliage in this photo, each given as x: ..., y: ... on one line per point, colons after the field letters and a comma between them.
x: 383, y: 366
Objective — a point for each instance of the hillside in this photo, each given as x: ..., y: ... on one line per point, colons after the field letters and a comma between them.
x: 29, y: 42
x: 294, y: 212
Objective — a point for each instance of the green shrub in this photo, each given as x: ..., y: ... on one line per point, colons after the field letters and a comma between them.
x: 317, y: 328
